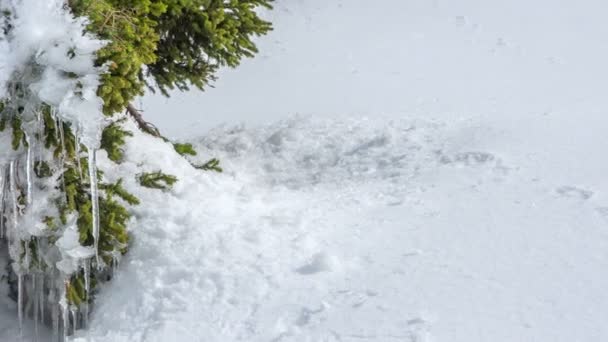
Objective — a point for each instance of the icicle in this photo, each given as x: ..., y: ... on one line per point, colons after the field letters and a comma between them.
x: 27, y: 259
x: 12, y: 231
x: 65, y: 317
x: 57, y: 122
x: 85, y: 315
x: 62, y: 140
x: 40, y: 131
x: 13, y: 191
x: 73, y: 312
x: 77, y: 143
x: 2, y: 201
x: 63, y: 304
x: 61, y: 137
x: 20, y: 303
x: 28, y: 170
x: 54, y: 313
x: 115, y: 262
x: 87, y: 274
x: 41, y: 298
x: 87, y: 290
x: 94, y: 202
x: 36, y: 288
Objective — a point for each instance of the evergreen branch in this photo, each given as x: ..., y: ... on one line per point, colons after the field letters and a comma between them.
x: 157, y: 180
x: 211, y: 165
x: 144, y: 125
x: 184, y: 149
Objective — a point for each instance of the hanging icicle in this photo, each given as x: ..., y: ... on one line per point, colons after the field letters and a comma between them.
x: 77, y: 147
x: 14, y: 202
x: 20, y: 302
x: 28, y: 169
x: 2, y: 200
x: 94, y: 202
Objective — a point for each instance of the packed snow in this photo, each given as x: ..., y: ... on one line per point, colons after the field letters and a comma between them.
x: 446, y: 183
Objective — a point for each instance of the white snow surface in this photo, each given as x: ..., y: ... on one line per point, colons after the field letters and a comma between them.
x: 355, y: 229
x: 448, y: 185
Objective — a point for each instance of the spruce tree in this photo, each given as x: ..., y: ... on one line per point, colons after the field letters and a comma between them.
x: 159, y: 45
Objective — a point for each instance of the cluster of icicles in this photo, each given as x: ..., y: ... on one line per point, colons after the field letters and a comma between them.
x: 42, y: 291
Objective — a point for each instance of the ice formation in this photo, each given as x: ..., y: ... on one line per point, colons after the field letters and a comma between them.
x: 46, y: 59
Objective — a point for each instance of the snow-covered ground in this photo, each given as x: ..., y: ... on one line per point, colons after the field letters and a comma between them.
x: 470, y: 206
x: 343, y: 230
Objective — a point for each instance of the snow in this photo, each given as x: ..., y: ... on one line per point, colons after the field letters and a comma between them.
x: 448, y: 184
x: 350, y: 229
x: 442, y: 59
x: 48, y: 34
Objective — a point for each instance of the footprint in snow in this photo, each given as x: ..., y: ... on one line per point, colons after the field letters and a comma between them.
x: 460, y: 21
x: 420, y: 329
x: 306, y: 315
x: 472, y: 159
x: 468, y: 158
x: 574, y: 192
x: 320, y: 262
x: 603, y: 211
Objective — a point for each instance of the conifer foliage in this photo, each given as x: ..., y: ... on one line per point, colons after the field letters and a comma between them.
x: 167, y: 44
x: 67, y: 239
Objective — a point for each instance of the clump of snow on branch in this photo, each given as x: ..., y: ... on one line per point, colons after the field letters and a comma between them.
x: 46, y: 34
